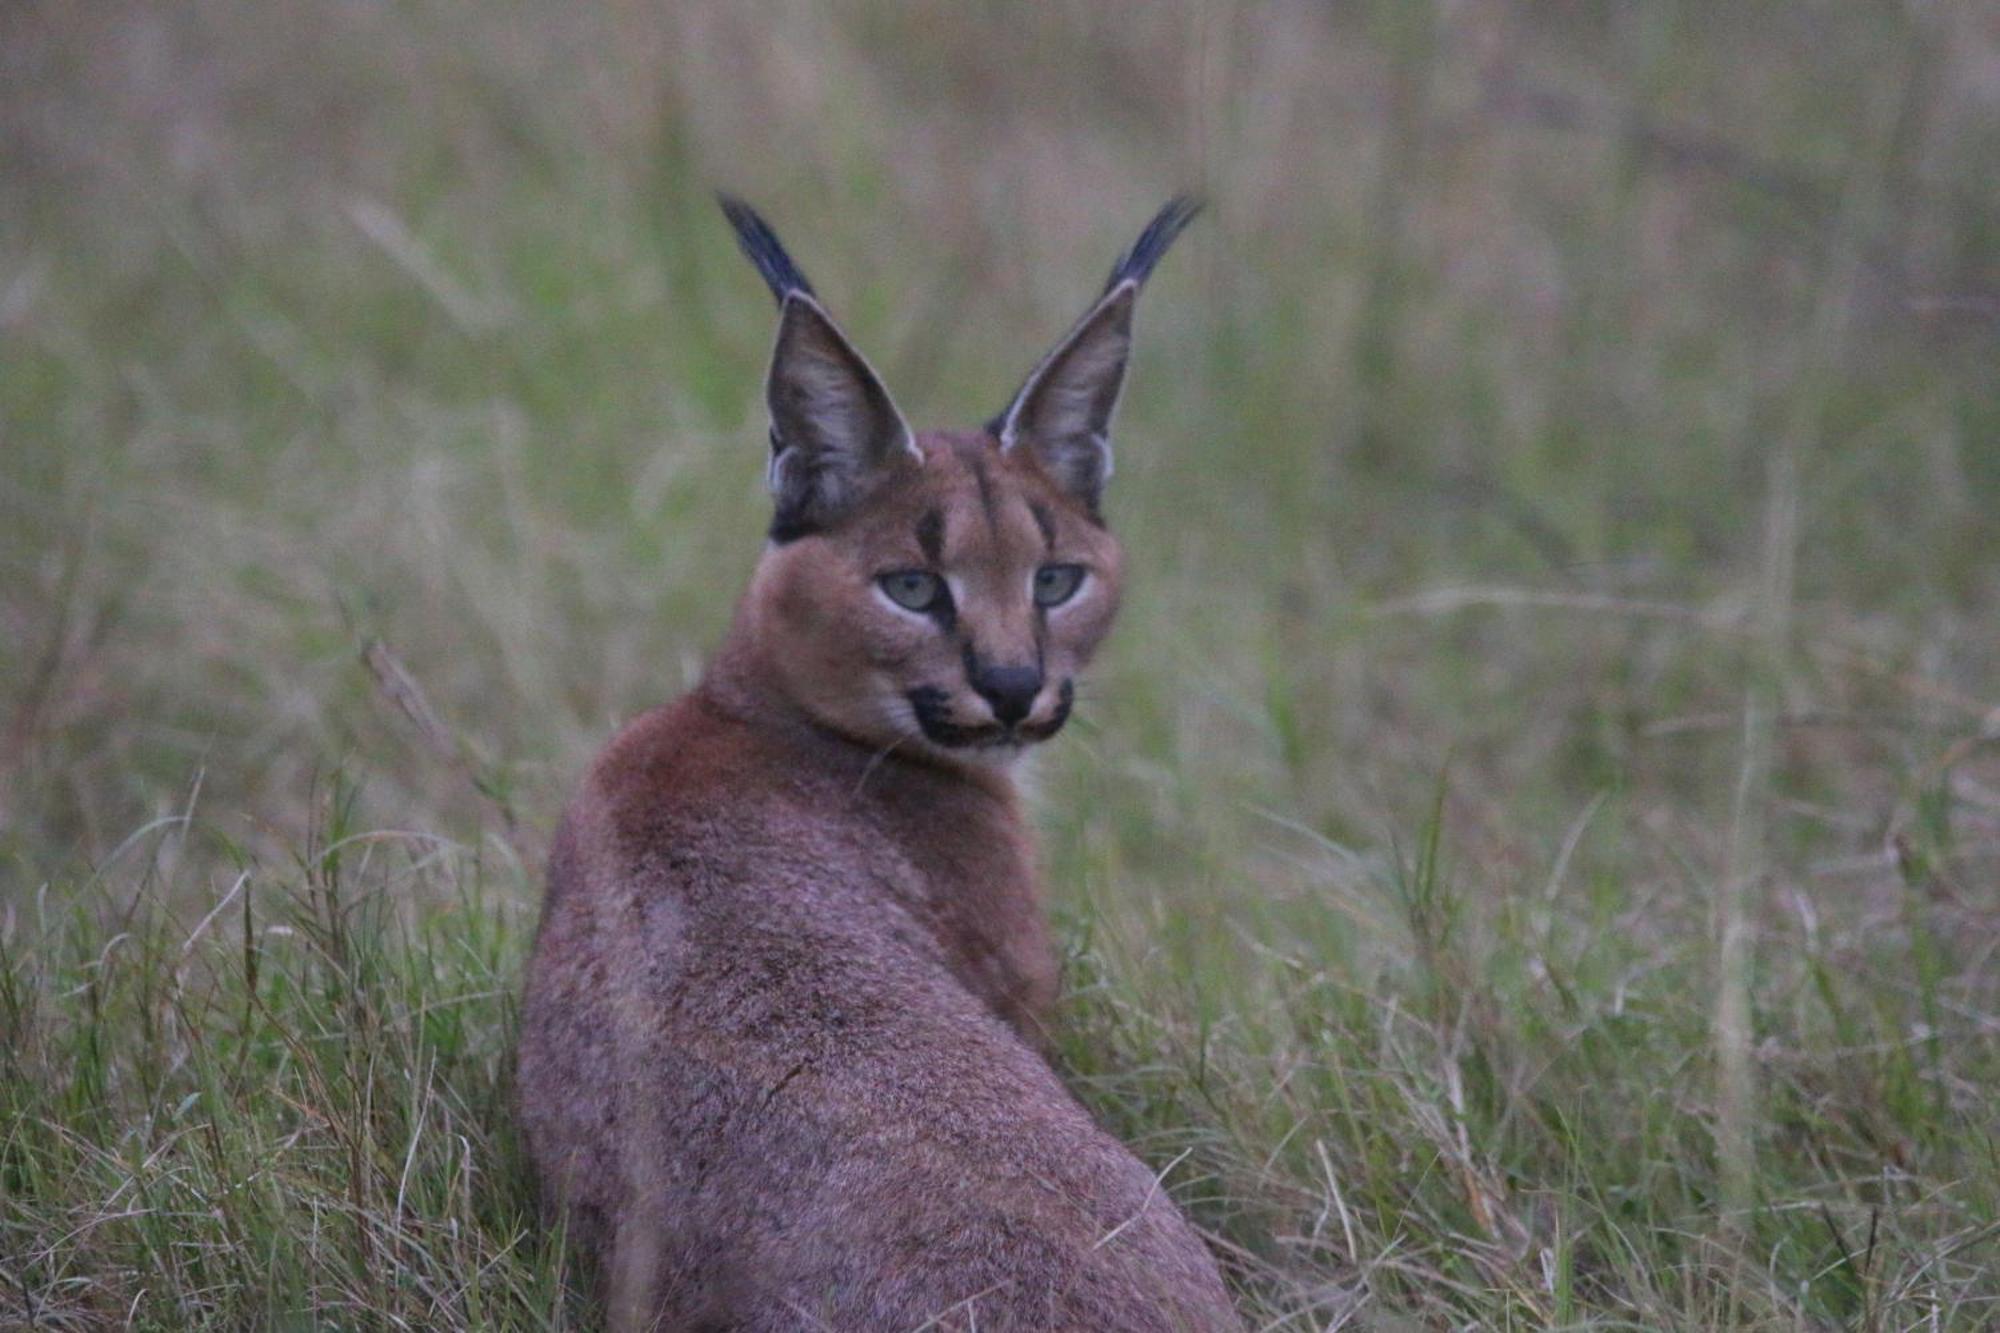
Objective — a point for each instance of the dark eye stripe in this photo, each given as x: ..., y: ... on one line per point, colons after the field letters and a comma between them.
x: 930, y: 535
x: 1047, y: 523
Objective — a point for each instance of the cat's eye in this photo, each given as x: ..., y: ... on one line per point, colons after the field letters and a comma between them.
x: 913, y: 589
x: 1056, y: 584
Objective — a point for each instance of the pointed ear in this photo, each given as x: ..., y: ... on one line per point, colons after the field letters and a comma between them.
x: 1063, y: 413
x: 834, y: 427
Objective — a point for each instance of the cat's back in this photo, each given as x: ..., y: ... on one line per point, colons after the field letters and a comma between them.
x: 734, y: 1015
x: 682, y: 834
x: 696, y: 853
x: 686, y: 803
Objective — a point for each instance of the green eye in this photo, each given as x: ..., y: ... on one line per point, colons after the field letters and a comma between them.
x: 1056, y: 584
x: 913, y: 589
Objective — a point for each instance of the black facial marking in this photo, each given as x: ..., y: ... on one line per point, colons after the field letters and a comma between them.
x: 986, y: 501
x: 932, y: 707
x: 1046, y: 522
x: 1065, y: 700
x: 930, y: 535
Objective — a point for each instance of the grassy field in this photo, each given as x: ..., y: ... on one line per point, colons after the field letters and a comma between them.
x: 1530, y: 859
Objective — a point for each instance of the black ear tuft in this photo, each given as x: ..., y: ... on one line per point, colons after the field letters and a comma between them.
x: 761, y: 246
x: 1063, y: 413
x: 1137, y: 263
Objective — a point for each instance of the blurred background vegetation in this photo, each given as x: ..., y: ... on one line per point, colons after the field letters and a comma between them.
x: 1528, y: 858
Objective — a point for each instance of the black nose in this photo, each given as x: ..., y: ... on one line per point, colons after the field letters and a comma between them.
x: 1011, y: 690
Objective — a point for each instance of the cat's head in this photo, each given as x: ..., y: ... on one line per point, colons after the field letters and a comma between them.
x: 939, y: 590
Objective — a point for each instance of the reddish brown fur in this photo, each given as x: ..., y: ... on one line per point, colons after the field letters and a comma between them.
x: 847, y: 657
x: 780, y: 1047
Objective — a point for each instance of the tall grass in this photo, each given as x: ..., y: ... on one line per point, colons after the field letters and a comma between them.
x: 1528, y: 860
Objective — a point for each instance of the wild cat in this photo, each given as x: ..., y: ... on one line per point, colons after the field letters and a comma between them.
x: 779, y: 1060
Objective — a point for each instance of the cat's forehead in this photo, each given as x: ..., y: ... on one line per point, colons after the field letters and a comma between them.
x: 958, y: 457
x: 970, y: 494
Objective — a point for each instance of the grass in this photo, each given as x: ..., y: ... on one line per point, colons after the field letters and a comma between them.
x: 1527, y: 862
